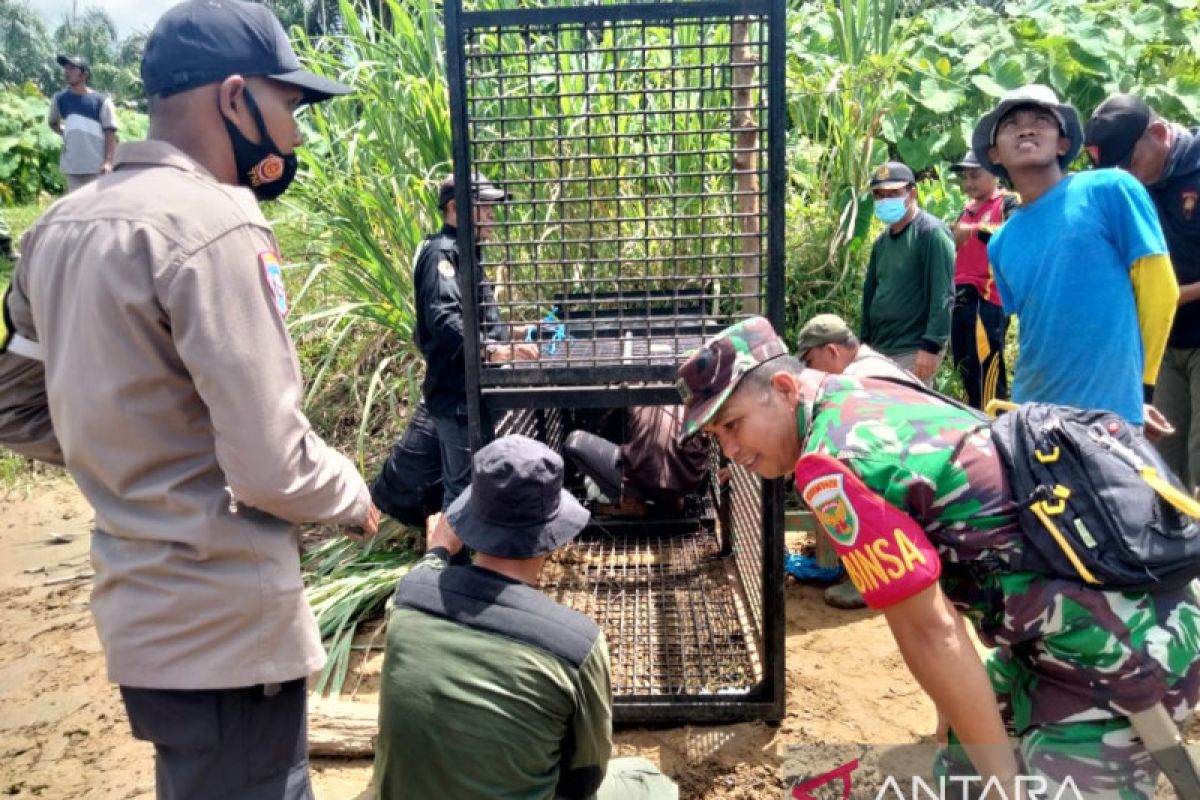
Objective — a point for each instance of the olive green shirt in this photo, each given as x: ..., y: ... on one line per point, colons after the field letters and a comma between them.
x: 467, y: 713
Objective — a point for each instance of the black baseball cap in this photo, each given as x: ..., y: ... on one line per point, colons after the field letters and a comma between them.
x: 969, y: 161
x: 1114, y: 130
x: 74, y: 61
x: 483, y: 189
x: 204, y: 41
x: 892, y: 175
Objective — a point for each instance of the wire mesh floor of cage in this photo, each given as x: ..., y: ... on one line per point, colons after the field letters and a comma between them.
x: 670, y: 608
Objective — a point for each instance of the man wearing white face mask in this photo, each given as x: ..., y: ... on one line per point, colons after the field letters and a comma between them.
x: 908, y: 290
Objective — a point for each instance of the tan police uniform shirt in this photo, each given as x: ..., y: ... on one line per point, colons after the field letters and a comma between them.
x: 170, y: 377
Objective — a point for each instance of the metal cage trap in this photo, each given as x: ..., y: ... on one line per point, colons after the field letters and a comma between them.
x: 642, y: 149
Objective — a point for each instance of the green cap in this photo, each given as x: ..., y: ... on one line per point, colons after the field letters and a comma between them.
x: 823, y: 329
x: 711, y: 374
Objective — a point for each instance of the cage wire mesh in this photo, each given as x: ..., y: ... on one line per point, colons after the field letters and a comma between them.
x: 643, y: 216
x: 634, y: 152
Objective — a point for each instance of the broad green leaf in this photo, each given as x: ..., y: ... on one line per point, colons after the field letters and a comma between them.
x: 893, y: 125
x: 1011, y: 74
x: 988, y: 85
x: 938, y: 96
x: 1145, y: 24
x: 974, y: 58
x: 1060, y: 76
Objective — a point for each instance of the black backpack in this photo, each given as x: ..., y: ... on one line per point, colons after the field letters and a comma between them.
x: 1097, y: 503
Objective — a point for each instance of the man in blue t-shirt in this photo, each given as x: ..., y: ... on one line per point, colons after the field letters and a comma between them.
x: 1082, y: 263
x: 1165, y: 157
x: 87, y: 123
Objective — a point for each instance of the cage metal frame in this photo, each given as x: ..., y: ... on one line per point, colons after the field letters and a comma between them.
x: 611, y: 384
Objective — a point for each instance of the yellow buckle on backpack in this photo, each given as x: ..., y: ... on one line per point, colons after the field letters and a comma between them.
x: 1042, y: 510
x: 1047, y: 458
x: 1061, y: 493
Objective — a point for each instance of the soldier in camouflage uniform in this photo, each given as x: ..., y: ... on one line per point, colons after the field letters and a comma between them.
x: 1068, y: 663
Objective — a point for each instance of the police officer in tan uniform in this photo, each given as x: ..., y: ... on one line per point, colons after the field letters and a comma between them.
x: 154, y: 299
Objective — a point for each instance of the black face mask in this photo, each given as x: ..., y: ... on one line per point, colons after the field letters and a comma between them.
x: 261, y: 167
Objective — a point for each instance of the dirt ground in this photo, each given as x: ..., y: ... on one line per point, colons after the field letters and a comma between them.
x: 63, y: 733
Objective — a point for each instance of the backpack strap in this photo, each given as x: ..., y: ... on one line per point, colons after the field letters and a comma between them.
x: 1163, y: 487
x: 923, y: 389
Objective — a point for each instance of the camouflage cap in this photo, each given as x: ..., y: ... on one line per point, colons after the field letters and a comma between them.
x: 708, y: 377
x: 823, y: 329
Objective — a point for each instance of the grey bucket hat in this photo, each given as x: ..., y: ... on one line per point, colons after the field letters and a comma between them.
x: 515, y: 506
x: 1033, y: 94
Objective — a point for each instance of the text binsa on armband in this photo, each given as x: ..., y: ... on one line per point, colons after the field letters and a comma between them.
x: 879, y: 562
x: 888, y: 555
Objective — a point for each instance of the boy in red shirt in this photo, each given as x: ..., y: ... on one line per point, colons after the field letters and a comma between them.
x: 978, y: 322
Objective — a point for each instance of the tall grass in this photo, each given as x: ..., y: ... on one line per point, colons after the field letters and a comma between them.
x: 349, y: 584
x: 844, y: 61
x: 368, y: 195
x: 621, y: 140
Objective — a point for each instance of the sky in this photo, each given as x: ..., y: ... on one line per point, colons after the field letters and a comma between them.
x: 129, y: 15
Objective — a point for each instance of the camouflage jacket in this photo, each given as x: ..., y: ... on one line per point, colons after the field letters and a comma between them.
x: 1088, y: 651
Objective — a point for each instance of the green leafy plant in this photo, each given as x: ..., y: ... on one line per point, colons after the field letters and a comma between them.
x: 348, y: 585
x: 28, y: 148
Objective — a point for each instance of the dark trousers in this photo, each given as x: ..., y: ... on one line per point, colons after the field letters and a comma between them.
x: 225, y: 744
x: 409, y: 486
x: 977, y: 330
x: 597, y: 458
x: 454, y: 441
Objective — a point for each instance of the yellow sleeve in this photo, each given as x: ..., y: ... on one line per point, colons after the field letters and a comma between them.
x: 1157, y: 293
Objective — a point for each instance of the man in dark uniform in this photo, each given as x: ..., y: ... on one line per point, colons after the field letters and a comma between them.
x: 431, y: 463
x: 1165, y: 157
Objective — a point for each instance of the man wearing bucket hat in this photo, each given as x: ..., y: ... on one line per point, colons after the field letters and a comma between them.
x: 489, y: 687
x: 978, y: 323
x: 159, y: 290
x: 1082, y: 263
x: 913, y: 494
x: 87, y: 122
x: 906, y: 291
x: 1125, y: 132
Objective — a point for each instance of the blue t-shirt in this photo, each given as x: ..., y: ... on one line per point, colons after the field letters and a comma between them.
x: 1062, y: 265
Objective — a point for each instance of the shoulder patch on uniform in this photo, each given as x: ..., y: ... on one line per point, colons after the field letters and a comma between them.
x: 272, y: 272
x: 826, y: 496
x: 445, y: 269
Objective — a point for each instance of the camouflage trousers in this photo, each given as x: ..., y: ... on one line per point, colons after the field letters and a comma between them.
x: 1074, y: 761
x: 1061, y: 692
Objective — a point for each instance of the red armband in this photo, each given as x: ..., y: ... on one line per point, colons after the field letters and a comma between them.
x: 887, y: 554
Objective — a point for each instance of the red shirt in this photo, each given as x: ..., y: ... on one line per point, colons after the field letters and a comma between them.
x: 971, y: 262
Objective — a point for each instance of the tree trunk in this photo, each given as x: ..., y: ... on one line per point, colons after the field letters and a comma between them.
x: 745, y: 164
x: 342, y: 729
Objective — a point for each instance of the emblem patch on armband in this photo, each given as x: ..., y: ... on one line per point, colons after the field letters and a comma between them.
x: 272, y: 272
x: 445, y: 269
x: 826, y: 496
